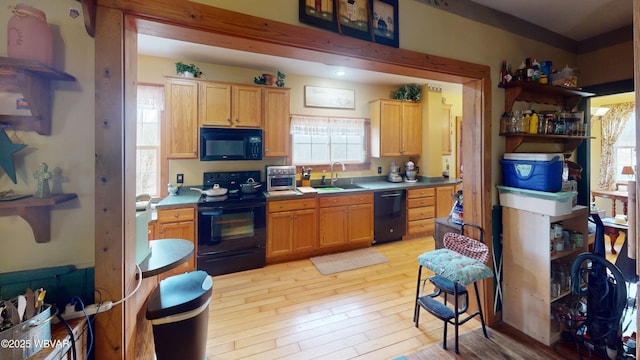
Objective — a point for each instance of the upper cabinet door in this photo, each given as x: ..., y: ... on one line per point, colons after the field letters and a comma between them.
x: 276, y: 122
x: 247, y: 106
x: 215, y: 104
x: 396, y: 128
x: 182, y: 119
x: 386, y: 117
x: 446, y: 129
x: 411, y: 129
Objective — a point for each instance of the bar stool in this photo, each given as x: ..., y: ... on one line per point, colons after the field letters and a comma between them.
x: 458, y: 265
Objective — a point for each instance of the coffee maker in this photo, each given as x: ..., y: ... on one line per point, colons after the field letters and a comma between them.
x: 393, y: 173
x: 410, y: 172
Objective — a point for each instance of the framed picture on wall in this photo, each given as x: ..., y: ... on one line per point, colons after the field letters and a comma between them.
x: 320, y: 13
x: 384, y: 21
x: 354, y: 18
x: 323, y: 97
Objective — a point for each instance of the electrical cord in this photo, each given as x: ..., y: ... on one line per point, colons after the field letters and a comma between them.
x: 139, y: 271
x: 88, y: 325
x: 70, y: 331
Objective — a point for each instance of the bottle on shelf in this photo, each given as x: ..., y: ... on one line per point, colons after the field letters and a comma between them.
x: 505, y: 123
x: 503, y: 72
x: 534, y: 122
x: 526, y: 121
x: 536, y: 71
x: 560, y: 124
x: 529, y: 69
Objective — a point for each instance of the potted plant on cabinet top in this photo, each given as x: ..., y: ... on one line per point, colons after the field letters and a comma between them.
x: 269, y: 80
x: 409, y: 92
x: 189, y: 70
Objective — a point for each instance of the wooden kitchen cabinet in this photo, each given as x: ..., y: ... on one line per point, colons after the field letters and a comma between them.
x: 276, y: 103
x: 421, y: 211
x: 444, y: 200
x: 396, y: 128
x: 446, y: 129
x: 346, y: 220
x: 181, y: 107
x: 178, y: 223
x: 527, y: 268
x: 230, y: 105
x: 292, y: 229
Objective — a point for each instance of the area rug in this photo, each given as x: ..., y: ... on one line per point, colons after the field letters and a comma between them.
x: 473, y: 345
x: 335, y: 263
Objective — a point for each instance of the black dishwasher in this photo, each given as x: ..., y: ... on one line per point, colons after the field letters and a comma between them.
x: 390, y: 216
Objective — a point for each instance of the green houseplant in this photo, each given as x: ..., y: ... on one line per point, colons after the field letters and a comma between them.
x: 409, y: 92
x: 184, y: 69
x: 268, y: 79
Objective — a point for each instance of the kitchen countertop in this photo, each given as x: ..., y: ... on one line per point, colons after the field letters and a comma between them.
x: 184, y: 197
x: 188, y: 197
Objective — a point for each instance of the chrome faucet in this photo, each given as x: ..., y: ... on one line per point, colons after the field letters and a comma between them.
x: 334, y: 179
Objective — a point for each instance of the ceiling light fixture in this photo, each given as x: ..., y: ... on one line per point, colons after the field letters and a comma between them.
x: 340, y: 72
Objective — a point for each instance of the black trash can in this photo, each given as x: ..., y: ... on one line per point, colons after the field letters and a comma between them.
x: 179, y: 312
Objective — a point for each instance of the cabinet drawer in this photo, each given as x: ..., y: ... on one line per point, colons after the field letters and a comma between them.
x: 420, y: 202
x: 346, y: 200
x: 426, y: 226
x: 173, y: 215
x: 427, y: 212
x: 424, y: 192
x: 288, y: 205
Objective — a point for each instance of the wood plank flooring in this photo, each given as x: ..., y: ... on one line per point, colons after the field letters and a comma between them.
x: 290, y: 311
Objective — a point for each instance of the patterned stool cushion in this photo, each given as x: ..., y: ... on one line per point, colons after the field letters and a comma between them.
x: 454, y: 266
x: 466, y: 246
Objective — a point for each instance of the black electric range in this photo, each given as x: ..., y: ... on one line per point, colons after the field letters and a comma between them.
x: 231, y: 228
x: 231, y: 181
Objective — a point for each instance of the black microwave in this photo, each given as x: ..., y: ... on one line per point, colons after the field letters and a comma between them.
x: 230, y: 144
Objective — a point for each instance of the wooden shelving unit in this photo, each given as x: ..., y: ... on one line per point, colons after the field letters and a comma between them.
x: 569, y: 143
x: 528, y: 268
x: 31, y: 79
x: 36, y: 212
x: 567, y: 98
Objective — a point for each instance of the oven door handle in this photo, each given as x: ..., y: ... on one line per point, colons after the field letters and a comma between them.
x: 218, y: 209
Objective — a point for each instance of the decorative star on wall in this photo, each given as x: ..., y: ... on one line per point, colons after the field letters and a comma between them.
x: 7, y: 148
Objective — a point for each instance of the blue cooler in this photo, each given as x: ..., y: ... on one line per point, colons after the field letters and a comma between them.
x: 541, y: 172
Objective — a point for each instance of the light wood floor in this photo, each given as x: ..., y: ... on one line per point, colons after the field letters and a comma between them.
x: 290, y: 311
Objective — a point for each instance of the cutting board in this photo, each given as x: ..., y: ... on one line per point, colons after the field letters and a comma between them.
x: 307, y: 190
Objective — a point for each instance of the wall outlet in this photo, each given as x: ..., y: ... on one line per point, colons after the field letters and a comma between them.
x: 180, y: 178
x: 379, y: 169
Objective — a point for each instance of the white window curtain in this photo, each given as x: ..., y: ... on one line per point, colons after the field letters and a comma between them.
x: 151, y: 97
x: 326, y: 126
x: 613, y: 122
x: 150, y: 104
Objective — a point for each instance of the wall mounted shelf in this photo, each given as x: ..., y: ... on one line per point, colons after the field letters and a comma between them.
x: 565, y: 97
x: 569, y: 143
x: 31, y: 79
x: 36, y: 212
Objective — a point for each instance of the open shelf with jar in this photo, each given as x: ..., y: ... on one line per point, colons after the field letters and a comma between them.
x: 532, y: 267
x: 31, y: 79
x: 564, y: 97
